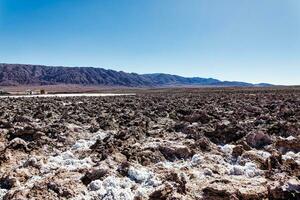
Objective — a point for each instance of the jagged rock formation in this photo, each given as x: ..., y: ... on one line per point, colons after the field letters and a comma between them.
x: 190, y: 145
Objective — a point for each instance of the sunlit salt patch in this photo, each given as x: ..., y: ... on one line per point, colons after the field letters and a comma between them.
x: 66, y: 103
x: 110, y: 188
x: 225, y: 122
x: 118, y: 188
x: 290, y: 138
x: 143, y: 176
x: 171, y: 165
x: 207, y: 172
x: 260, y: 153
x: 85, y: 144
x: 143, y: 190
x: 3, y: 193
x: 66, y: 95
x: 95, y: 185
x: 158, y: 143
x: 153, y: 182
x: 292, y: 156
x: 118, y: 194
x: 67, y: 161
x: 292, y: 184
x: 139, y: 174
x: 74, y: 127
x: 33, y: 180
x: 263, y: 154
x: 100, y: 135
x: 151, y: 145
x: 196, y: 160
x: 250, y: 170
x: 227, y: 149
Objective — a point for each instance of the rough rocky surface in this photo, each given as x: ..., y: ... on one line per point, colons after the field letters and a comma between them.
x: 168, y: 146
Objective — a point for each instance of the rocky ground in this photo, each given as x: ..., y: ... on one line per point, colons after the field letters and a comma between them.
x: 163, y: 145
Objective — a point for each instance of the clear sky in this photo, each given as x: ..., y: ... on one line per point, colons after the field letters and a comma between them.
x: 244, y: 40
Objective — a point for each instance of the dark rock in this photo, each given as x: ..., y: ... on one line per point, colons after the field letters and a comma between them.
x: 27, y: 133
x: 60, y: 190
x: 93, y: 175
x: 258, y: 139
x: 211, y: 193
x: 123, y: 168
x: 288, y: 190
x: 285, y: 145
x: 203, y: 144
x: 18, y: 143
x: 201, y: 117
x: 274, y: 161
x: 147, y: 157
x: 7, y: 182
x: 162, y: 193
x: 175, y: 152
x: 179, y: 127
x: 292, y: 167
x: 179, y: 180
x: 225, y: 133
x: 5, y: 124
x: 237, y: 151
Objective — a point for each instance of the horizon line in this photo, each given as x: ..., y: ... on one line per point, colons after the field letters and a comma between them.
x: 46, y: 65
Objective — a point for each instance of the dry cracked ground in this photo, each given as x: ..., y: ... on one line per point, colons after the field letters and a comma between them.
x: 164, y: 146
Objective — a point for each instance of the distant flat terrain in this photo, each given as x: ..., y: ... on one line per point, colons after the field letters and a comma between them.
x: 64, y: 95
x: 73, y: 88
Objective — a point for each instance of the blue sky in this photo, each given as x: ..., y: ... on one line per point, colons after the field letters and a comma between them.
x: 244, y: 40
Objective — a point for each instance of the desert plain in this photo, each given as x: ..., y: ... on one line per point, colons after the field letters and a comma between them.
x: 164, y: 144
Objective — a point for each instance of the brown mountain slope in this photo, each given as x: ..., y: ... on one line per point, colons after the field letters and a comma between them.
x: 23, y: 74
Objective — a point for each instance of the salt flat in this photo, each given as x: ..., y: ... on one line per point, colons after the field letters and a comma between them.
x: 66, y: 95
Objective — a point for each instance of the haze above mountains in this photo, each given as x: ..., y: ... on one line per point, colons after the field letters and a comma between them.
x: 25, y: 74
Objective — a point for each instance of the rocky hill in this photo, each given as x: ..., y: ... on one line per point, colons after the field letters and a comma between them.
x: 23, y: 74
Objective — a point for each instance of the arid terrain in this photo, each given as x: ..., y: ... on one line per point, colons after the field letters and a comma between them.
x: 158, y: 145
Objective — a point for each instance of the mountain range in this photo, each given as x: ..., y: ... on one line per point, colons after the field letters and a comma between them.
x: 25, y: 74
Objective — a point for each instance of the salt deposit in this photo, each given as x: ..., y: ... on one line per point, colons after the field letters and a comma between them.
x: 95, y: 185
x: 196, y: 160
x: 66, y: 160
x: 293, y: 156
x: 249, y: 169
x: 110, y: 188
x: 227, y: 149
x: 66, y: 95
x: 263, y: 154
x: 139, y: 174
x: 2, y: 193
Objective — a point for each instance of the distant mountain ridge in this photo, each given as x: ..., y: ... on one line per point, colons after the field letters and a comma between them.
x: 25, y: 74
